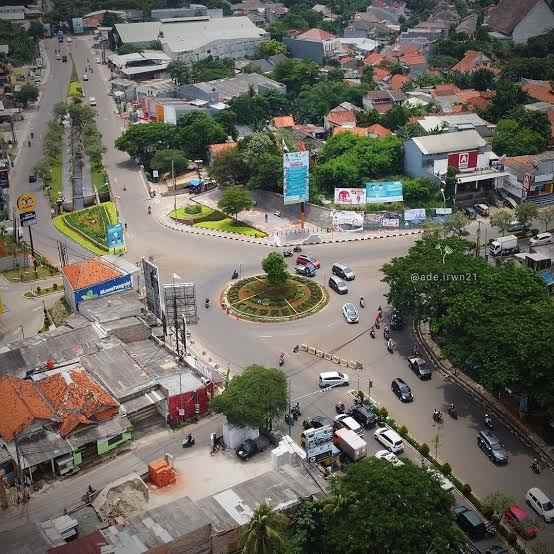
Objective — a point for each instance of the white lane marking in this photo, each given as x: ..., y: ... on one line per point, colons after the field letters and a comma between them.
x: 265, y: 337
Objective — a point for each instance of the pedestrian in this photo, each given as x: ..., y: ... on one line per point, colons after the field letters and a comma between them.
x: 213, y: 439
x: 266, y: 218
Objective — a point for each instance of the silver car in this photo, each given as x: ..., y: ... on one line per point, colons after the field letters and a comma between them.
x: 350, y: 313
x: 541, y: 239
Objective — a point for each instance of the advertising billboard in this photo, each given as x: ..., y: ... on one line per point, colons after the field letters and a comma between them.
x: 152, y: 287
x: 116, y: 284
x: 179, y: 302
x: 114, y: 235
x: 415, y: 215
x: 352, y: 197
x: 381, y: 192
x: 463, y: 161
x: 348, y: 221
x: 296, y: 177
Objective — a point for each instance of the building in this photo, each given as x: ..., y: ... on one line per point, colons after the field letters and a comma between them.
x: 520, y: 20
x: 263, y: 66
x: 148, y: 64
x: 452, y: 123
x: 477, y: 175
x: 343, y: 115
x: 194, y: 38
x: 542, y: 91
x: 12, y: 13
x: 472, y: 61
x: 468, y: 25
x: 223, y: 90
x: 397, y: 82
x: 93, y: 20
x: 382, y: 101
x: 190, y: 10
x: 283, y: 122
x: 421, y: 37
x: 365, y: 26
x: 546, y: 108
x: 374, y: 131
x: 409, y: 57
x: 215, y: 150
x: 313, y: 44
x: 530, y: 178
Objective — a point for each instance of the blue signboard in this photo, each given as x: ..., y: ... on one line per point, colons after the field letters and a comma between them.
x: 107, y: 287
x: 114, y: 235
x: 296, y: 177
x: 380, y: 192
x: 77, y: 24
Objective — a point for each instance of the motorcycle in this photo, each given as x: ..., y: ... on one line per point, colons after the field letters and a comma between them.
x: 207, y: 303
x: 235, y: 274
x: 377, y: 325
x: 188, y: 442
x: 362, y: 302
x: 386, y: 334
x: 149, y: 210
x: 297, y: 249
x: 452, y: 412
x: 390, y: 346
x: 488, y: 422
x: 340, y: 408
x: 281, y: 359
x: 295, y: 411
x: 536, y: 467
x: 372, y: 333
x: 287, y: 253
x: 437, y: 416
x: 296, y: 348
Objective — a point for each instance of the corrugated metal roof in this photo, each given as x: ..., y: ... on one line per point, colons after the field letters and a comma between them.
x: 449, y: 142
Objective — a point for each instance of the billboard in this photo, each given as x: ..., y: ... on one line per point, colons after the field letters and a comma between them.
x: 114, y: 235
x: 348, y: 221
x: 77, y: 24
x: 463, y: 161
x: 180, y: 301
x: 380, y: 192
x: 352, y: 197
x: 415, y: 215
x: 152, y: 287
x: 116, y: 284
x: 296, y: 177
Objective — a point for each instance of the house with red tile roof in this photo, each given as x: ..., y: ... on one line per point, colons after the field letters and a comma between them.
x: 541, y: 91
x: 215, y: 150
x: 378, y: 131
x: 520, y: 20
x: 446, y: 89
x: 472, y: 61
x: 397, y: 82
x: 381, y: 75
x: 343, y: 115
x: 283, y: 122
x: 313, y: 44
x: 357, y: 131
x: 374, y: 59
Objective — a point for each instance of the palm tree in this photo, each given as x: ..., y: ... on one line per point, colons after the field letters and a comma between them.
x: 264, y: 533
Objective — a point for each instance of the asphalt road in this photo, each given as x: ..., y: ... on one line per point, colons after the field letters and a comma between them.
x: 209, y: 263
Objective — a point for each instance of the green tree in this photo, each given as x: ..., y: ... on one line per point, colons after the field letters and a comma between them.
x: 235, y: 199
x: 196, y: 131
x: 142, y: 141
x: 211, y: 68
x: 228, y: 120
x: 275, y: 269
x: 254, y: 398
x: 270, y: 48
x: 483, y: 79
x: 508, y: 96
x: 526, y: 212
x: 163, y: 159
x: 179, y: 72
x: 420, y: 192
x: 397, y: 117
x: 450, y: 181
x: 501, y: 218
x: 266, y: 172
x: 546, y: 216
x: 264, y: 533
x: 110, y: 19
x: 27, y: 93
x: 296, y: 74
x: 229, y: 168
x: 513, y: 139
x: 456, y: 224
x: 367, y: 76
x: 36, y: 30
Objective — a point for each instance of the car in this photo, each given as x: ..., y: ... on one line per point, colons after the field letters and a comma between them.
x: 338, y: 285
x: 445, y: 484
x: 92, y: 101
x: 402, y: 390
x: 304, y: 259
x: 421, y: 368
x: 345, y: 421
x: 58, y: 57
x: 488, y: 442
x: 496, y: 549
x: 470, y: 522
x: 97, y: 59
x: 85, y: 77
x: 390, y: 439
x: 481, y: 209
x: 333, y: 378
x: 250, y: 447
x: 540, y: 503
x: 32, y: 178
x: 470, y: 213
x: 389, y: 457
x: 519, y: 520
x: 396, y: 321
x: 343, y: 271
x: 307, y: 270
x: 364, y: 416
x: 541, y: 239
x: 287, y: 253
x: 319, y: 421
x: 350, y: 313
x: 509, y: 202
x: 518, y: 229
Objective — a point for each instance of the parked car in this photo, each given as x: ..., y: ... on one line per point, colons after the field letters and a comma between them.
x: 541, y: 239
x: 402, y: 390
x: 481, y: 209
x: 85, y: 77
x: 348, y: 422
x: 389, y: 457
x: 343, y: 271
x: 445, y: 484
x: 304, y: 259
x: 92, y: 101
x: 250, y: 447
x: 364, y: 416
x: 350, y: 313
x: 32, y: 178
x: 338, y: 285
x: 496, y: 549
x: 518, y: 229
x: 333, y: 378
x: 390, y: 439
x: 488, y: 442
x: 319, y: 421
x: 540, y: 503
x: 519, y: 520
x: 421, y: 368
x: 307, y: 270
x: 396, y: 321
x: 470, y: 213
x: 470, y: 522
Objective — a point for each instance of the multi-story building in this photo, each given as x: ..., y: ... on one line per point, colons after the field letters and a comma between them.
x: 314, y: 44
x: 530, y: 178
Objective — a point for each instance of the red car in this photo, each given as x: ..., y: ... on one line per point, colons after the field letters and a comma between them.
x: 304, y: 259
x: 520, y: 521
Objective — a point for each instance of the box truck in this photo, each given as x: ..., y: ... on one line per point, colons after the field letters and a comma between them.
x: 503, y: 246
x: 350, y: 443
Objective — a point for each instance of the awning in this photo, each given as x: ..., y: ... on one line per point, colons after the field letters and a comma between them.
x: 472, y: 177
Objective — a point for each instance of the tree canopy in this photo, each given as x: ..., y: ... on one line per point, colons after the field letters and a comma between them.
x: 254, y: 398
x: 164, y: 159
x: 275, y: 269
x: 27, y: 93
x: 270, y: 48
x: 235, y: 199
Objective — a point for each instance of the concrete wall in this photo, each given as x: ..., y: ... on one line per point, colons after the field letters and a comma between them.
x: 538, y: 21
x: 11, y: 262
x: 305, y: 49
x: 413, y: 160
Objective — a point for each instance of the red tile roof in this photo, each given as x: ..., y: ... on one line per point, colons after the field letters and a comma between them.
x: 283, y: 122
x: 413, y: 58
x: 379, y: 130
x: 508, y: 14
x: 341, y: 118
x: 398, y: 81
x: 447, y: 89
x: 380, y: 74
x: 89, y: 272
x: 217, y: 149
x: 374, y: 58
x: 540, y: 91
x: 316, y: 35
x: 471, y: 61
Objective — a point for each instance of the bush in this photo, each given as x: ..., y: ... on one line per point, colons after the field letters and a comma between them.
x: 466, y: 489
x: 446, y: 469
x: 403, y: 430
x: 383, y: 412
x: 424, y: 449
x: 194, y: 209
x: 55, y: 286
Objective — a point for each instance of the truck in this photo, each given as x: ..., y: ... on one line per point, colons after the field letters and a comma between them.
x: 350, y: 443
x: 503, y: 246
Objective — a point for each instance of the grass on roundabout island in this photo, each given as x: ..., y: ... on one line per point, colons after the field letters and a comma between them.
x: 188, y: 213
x: 254, y: 298
x: 229, y: 225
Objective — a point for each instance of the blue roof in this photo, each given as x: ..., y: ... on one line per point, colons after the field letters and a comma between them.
x: 548, y: 278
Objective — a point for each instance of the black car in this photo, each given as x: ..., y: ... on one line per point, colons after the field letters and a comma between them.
x: 252, y: 446
x: 318, y: 421
x: 488, y: 442
x: 396, y: 321
x: 421, y: 368
x: 470, y: 522
x: 364, y: 416
x: 402, y: 390
x: 32, y: 178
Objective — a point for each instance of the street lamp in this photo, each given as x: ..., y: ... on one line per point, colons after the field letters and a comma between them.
x: 443, y: 198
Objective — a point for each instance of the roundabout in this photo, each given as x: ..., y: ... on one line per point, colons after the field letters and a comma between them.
x: 255, y: 299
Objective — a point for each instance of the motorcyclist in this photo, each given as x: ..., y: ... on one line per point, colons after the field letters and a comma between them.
x: 437, y: 414
x: 149, y: 210
x: 386, y: 332
x: 535, y: 465
x: 451, y: 407
x: 207, y: 302
x: 372, y: 332
x: 362, y: 301
x: 282, y: 358
x: 390, y: 345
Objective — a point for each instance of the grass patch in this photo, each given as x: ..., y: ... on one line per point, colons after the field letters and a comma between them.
x: 99, y: 180
x: 75, y: 89
x: 56, y: 170
x: 26, y: 274
x: 93, y: 222
x: 192, y: 212
x: 228, y: 225
x: 39, y: 291
x: 61, y: 226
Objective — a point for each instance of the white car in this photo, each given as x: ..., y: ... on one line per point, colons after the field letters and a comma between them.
x: 390, y: 439
x: 332, y: 379
x: 540, y: 503
x: 350, y: 313
x: 92, y: 101
x: 389, y: 457
x: 85, y: 77
x: 541, y: 239
x: 348, y: 422
x: 98, y: 60
x: 445, y: 484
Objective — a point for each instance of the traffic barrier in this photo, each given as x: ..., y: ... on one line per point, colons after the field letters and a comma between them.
x: 335, y: 359
x: 328, y: 357
x: 319, y: 353
x: 311, y: 350
x: 304, y: 347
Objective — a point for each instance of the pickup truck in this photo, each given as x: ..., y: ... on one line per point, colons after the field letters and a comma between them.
x: 250, y: 447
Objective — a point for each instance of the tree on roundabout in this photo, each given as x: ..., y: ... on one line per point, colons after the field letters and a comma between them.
x: 275, y: 269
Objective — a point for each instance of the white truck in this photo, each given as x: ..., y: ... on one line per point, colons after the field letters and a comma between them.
x: 350, y: 443
x: 503, y: 246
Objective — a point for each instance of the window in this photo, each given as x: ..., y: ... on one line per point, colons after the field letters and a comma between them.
x: 114, y: 440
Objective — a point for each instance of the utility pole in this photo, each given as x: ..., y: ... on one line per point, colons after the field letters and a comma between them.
x: 478, y: 241
x: 174, y: 187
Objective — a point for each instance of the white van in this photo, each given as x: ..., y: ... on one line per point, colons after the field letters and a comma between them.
x: 390, y: 439
x: 540, y: 503
x: 344, y: 420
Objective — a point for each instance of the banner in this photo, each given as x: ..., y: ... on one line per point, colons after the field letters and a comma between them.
x: 296, y: 177
x: 348, y: 221
x: 415, y: 215
x: 152, y: 287
x: 114, y: 235
x: 108, y: 287
x: 443, y: 211
x: 380, y: 192
x: 352, y: 197
x: 463, y: 160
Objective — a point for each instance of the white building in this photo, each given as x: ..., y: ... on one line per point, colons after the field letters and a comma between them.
x: 12, y: 13
x: 452, y: 123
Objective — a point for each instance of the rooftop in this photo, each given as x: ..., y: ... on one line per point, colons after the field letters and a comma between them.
x: 217, y: 149
x: 235, y: 86
x: 89, y: 272
x: 379, y: 130
x: 507, y: 14
x: 316, y: 35
x: 539, y: 90
x: 398, y: 81
x: 472, y: 61
x: 449, y: 142
x: 432, y: 122
x: 283, y: 122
